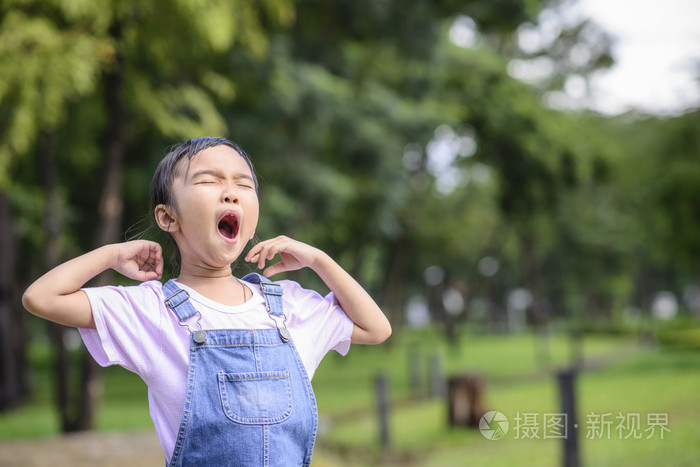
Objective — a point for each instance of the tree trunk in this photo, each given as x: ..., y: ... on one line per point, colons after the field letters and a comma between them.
x: 14, y: 379
x: 53, y: 224
x: 78, y: 413
x: 394, y: 290
x: 111, y: 203
x: 534, y: 283
x: 67, y: 402
x: 9, y: 392
x: 109, y: 218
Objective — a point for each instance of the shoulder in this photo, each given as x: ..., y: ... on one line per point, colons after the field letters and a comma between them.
x: 289, y: 288
x: 306, y: 302
x: 292, y: 290
x: 299, y: 299
x: 146, y: 294
x: 149, y: 288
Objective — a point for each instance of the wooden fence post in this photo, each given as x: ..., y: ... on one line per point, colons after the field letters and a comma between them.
x: 382, y: 387
x: 415, y: 380
x: 465, y: 400
x: 567, y: 381
x: 437, y: 377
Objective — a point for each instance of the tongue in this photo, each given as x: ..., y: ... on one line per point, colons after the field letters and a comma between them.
x: 226, y: 229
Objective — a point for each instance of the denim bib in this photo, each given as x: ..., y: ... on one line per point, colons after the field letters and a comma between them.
x: 249, y: 401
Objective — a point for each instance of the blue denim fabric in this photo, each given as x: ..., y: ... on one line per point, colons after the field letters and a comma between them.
x: 249, y: 400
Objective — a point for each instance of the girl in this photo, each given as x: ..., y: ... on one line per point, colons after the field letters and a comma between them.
x: 228, y: 362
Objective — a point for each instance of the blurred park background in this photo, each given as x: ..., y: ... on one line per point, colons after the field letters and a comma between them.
x: 440, y: 150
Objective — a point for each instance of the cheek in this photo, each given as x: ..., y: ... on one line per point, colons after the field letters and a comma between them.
x: 191, y: 204
x: 252, y: 216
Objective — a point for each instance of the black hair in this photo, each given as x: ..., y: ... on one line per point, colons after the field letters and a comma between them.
x: 161, y: 193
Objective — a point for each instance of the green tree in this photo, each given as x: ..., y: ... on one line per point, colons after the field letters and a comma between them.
x: 123, y: 71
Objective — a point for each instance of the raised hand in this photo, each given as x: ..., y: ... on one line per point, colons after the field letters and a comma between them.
x: 56, y: 295
x: 293, y: 255
x: 371, y: 326
x: 141, y: 260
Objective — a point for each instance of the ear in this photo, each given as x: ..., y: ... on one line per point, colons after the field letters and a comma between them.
x: 166, y: 219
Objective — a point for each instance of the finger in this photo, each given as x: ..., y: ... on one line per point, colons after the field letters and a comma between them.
x: 257, y: 251
x: 253, y: 253
x: 156, y: 250
x: 136, y: 274
x: 261, y: 261
x: 260, y: 258
x: 258, y: 247
x: 157, y: 259
x: 146, y: 272
x: 150, y: 275
x: 267, y: 253
x: 152, y: 265
x: 256, y: 259
x: 147, y: 276
x: 153, y: 275
x: 275, y: 269
x: 159, y: 267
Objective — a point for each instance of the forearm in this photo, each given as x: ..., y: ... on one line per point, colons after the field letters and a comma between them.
x: 372, y: 327
x: 72, y: 275
x: 56, y: 295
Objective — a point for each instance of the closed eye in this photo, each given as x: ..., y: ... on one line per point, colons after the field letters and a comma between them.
x: 205, y: 182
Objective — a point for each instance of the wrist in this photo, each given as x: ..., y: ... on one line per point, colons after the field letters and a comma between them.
x: 110, y: 253
x: 322, y: 263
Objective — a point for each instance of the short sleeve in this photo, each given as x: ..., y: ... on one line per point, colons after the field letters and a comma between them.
x: 128, y: 322
x: 337, y: 325
x: 320, y: 323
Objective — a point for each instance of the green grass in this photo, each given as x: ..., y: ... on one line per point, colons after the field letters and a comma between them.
x: 345, y: 384
x: 643, y: 381
x: 635, y: 380
x: 124, y: 405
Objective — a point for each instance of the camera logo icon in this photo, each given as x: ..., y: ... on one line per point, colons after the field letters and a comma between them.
x: 493, y: 425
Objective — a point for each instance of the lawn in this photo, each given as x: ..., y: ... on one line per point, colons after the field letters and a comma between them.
x: 627, y: 379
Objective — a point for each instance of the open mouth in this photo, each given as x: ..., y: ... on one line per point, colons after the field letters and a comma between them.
x: 228, y: 226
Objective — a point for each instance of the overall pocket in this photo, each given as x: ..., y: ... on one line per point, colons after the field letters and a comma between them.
x: 256, y: 398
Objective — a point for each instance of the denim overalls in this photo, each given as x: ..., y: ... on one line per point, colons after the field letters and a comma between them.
x: 249, y: 400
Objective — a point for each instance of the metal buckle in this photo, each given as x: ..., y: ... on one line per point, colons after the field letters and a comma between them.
x: 169, y: 301
x: 270, y: 288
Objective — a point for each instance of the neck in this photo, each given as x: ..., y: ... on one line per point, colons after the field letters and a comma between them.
x: 196, y: 273
x: 204, y: 277
x: 224, y: 288
x: 195, y: 280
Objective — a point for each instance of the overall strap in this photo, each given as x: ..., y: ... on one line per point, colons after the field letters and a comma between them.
x: 271, y: 291
x: 177, y: 300
x: 273, y: 302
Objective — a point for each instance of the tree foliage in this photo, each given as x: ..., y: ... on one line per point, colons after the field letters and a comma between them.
x: 375, y: 137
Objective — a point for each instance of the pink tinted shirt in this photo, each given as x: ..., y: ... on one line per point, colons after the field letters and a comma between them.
x: 136, y: 330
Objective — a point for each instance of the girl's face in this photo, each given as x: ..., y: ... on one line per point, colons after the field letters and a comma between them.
x: 215, y: 209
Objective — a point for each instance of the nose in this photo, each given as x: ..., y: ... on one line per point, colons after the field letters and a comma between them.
x: 230, y: 195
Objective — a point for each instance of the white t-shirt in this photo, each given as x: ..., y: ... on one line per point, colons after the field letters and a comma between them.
x: 138, y: 332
